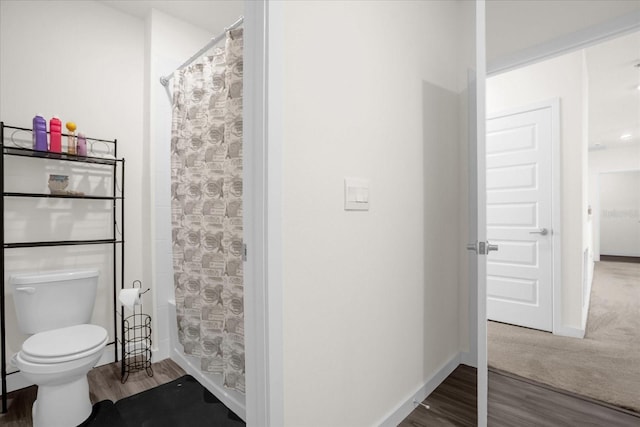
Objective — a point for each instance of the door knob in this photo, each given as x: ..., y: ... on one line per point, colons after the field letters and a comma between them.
x: 542, y: 231
x: 482, y: 248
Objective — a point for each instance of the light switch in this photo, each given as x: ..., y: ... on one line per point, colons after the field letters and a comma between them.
x: 356, y: 194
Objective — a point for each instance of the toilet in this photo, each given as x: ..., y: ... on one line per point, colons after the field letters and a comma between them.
x: 55, y: 309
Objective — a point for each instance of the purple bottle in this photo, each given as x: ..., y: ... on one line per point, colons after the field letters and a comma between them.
x: 39, y: 133
x: 82, y: 145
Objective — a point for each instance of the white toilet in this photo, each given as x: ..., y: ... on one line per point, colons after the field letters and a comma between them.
x: 55, y: 307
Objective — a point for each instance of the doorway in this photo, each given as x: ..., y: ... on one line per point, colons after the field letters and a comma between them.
x: 580, y: 311
x: 619, y: 228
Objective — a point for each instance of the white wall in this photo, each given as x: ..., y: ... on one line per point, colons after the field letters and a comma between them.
x: 561, y: 77
x: 370, y: 298
x: 84, y: 62
x: 606, y: 161
x: 170, y: 42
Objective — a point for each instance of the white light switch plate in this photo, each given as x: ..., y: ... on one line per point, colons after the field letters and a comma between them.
x: 356, y: 194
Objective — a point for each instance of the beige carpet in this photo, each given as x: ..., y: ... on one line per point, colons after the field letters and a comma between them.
x: 605, y: 365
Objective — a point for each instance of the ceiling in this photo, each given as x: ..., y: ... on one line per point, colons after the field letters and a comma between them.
x: 515, y: 25
x: 614, y: 97
x: 614, y: 100
x: 212, y: 16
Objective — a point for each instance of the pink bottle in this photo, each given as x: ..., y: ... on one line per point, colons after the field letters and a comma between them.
x: 55, y: 131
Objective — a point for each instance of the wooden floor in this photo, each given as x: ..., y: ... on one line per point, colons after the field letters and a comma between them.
x: 616, y: 258
x: 512, y: 402
x: 453, y: 403
x: 104, y: 384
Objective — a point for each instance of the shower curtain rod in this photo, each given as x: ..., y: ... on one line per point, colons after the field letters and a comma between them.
x: 214, y: 41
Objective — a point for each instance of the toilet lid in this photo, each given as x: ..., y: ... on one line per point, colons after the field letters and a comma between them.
x: 64, y: 342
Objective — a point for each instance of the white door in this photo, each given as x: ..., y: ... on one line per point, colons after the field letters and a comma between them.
x: 519, y: 214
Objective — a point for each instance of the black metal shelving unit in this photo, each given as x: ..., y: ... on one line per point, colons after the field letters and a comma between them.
x: 117, y: 197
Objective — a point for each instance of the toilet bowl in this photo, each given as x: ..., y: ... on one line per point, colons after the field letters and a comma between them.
x: 58, y: 361
x: 55, y: 307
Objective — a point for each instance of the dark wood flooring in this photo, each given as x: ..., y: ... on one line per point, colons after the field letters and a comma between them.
x: 616, y: 258
x: 453, y: 403
x: 513, y: 402
x: 104, y: 384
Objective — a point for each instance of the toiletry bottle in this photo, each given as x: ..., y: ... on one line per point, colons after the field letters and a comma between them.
x: 39, y: 133
x: 55, y: 132
x: 81, y: 147
x: 71, y: 138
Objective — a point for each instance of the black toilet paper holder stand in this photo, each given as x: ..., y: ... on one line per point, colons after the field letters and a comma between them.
x: 136, y: 340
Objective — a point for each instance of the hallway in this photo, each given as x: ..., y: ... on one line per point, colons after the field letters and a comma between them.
x: 605, y: 365
x: 513, y: 401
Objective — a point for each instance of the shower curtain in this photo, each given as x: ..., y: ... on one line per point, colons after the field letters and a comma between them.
x: 206, y: 204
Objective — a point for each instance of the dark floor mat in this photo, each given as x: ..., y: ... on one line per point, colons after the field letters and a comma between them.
x: 180, y: 403
x: 104, y: 414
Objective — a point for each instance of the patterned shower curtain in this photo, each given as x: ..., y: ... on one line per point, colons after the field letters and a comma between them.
x: 206, y: 202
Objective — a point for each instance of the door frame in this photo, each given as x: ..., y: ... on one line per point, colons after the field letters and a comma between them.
x: 262, y: 127
x: 556, y: 201
x: 596, y: 207
x: 595, y: 34
x: 478, y: 200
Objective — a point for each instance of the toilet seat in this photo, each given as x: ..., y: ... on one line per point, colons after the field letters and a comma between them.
x: 64, y: 344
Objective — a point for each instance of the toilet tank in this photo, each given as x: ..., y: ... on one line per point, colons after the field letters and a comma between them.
x: 53, y: 299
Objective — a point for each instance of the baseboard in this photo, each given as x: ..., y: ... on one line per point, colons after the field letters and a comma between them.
x: 587, y: 299
x: 469, y: 359
x: 569, y: 331
x: 16, y: 381
x: 162, y: 351
x: 405, y: 407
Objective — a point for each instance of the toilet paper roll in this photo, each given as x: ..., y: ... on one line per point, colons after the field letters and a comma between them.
x: 130, y: 297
